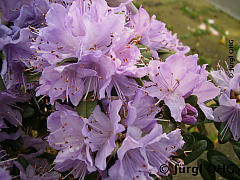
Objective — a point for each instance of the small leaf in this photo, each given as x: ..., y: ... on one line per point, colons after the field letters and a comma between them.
x: 236, y: 148
x: 86, y: 106
x: 32, y: 77
x: 68, y: 60
x: 204, y: 170
x: 196, y: 150
x: 23, y: 162
x: 92, y: 176
x: 189, y: 140
x: 139, y: 81
x: 223, y: 165
x: 223, y: 136
x: 198, y: 137
x: 2, y: 85
x: 28, y: 111
x: 192, y: 100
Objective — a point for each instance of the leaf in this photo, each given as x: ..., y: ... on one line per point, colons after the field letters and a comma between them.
x: 23, y: 162
x: 196, y: 150
x: 70, y: 60
x: 169, y: 177
x: 192, y: 100
x: 188, y: 139
x: 223, y: 165
x: 236, y: 148
x: 2, y: 85
x: 92, y: 176
x: 223, y: 137
x: 86, y: 106
x: 198, y: 137
x: 204, y: 170
x: 28, y: 111
x: 32, y: 77
x: 139, y: 81
x: 168, y: 126
x: 201, y: 116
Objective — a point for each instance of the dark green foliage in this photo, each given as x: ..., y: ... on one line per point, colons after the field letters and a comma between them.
x: 86, y: 106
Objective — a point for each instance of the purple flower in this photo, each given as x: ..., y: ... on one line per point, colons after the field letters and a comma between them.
x: 115, y: 3
x: 4, y: 174
x: 63, y: 81
x: 101, y: 131
x: 10, y: 9
x: 229, y: 109
x: 32, y: 14
x: 224, y: 81
x: 173, y: 82
x: 39, y: 145
x: 142, y: 112
x: 109, y: 52
x: 189, y: 115
x: 130, y: 164
x: 15, y: 46
x: 15, y: 42
x: 154, y: 34
x: 36, y: 172
x: 229, y: 112
x: 159, y: 146
x: 66, y: 136
x: 5, y: 165
x: 140, y: 155
x: 10, y: 112
x: 8, y: 100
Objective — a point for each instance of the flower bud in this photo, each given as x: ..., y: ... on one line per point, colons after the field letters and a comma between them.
x: 189, y: 115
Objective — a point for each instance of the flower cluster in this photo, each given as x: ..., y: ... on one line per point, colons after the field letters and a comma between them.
x: 229, y: 100
x: 99, y: 64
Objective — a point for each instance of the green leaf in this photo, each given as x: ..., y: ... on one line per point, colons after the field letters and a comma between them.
x: 169, y: 177
x: 201, y: 116
x: 223, y: 165
x: 188, y: 139
x: 139, y: 81
x: 168, y: 126
x: 192, y: 100
x: 196, y: 150
x: 23, y: 162
x: 2, y: 85
x: 223, y: 136
x: 28, y: 111
x: 86, y: 106
x: 32, y: 77
x: 69, y: 60
x: 92, y: 176
x: 198, y: 137
x: 204, y: 170
x: 236, y: 148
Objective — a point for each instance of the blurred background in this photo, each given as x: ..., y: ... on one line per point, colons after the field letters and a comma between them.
x: 201, y: 25
x: 206, y: 27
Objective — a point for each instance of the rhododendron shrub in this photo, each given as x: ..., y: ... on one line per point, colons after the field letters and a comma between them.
x: 95, y: 89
